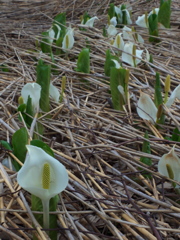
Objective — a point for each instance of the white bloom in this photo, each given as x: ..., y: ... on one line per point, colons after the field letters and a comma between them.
x: 42, y: 183
x: 51, y: 35
x: 170, y: 160
x: 118, y: 11
x: 146, y: 108
x: 129, y: 21
x: 54, y: 92
x: 117, y: 65
x: 34, y: 91
x: 129, y: 49
x: 68, y: 40
x: 111, y: 30
x: 113, y: 21
x: 155, y: 10
x: 58, y: 32
x: 128, y: 34
x: 175, y: 94
x: 90, y: 22
x: 142, y: 21
x: 118, y: 42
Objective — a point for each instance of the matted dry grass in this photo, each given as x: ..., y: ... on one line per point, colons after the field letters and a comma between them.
x: 107, y: 196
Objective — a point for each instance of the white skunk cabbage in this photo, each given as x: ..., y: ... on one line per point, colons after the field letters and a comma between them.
x: 129, y: 50
x: 119, y: 42
x: 54, y: 92
x: 175, y: 94
x: 68, y: 41
x: 146, y: 108
x: 42, y: 176
x: 34, y: 91
x: 169, y: 165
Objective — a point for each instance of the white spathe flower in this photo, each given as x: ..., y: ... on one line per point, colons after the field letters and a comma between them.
x: 146, y: 108
x: 175, y: 94
x: 113, y: 21
x: 51, y: 34
x: 171, y: 160
x: 68, y: 40
x: 117, y: 65
x: 112, y: 30
x: 54, y: 92
x: 129, y: 50
x: 142, y: 21
x: 128, y: 17
x: 34, y: 91
x: 128, y: 34
x: 155, y: 10
x: 90, y: 22
x: 58, y: 32
x: 119, y: 42
x: 31, y: 176
x: 118, y: 12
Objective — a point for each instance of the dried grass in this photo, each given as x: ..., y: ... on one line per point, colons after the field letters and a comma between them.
x: 107, y: 196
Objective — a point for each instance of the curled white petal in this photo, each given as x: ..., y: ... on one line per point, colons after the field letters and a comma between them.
x: 54, y: 92
x: 113, y: 21
x: 173, y: 161
x: 51, y: 35
x: 111, y: 30
x: 30, y: 175
x: 127, y: 54
x: 34, y: 91
x: 90, y: 22
x: 146, y: 108
x: 129, y: 21
x: 59, y: 31
x: 141, y: 21
x: 156, y: 10
x: 175, y: 94
x: 128, y: 34
x: 68, y: 40
x: 117, y: 65
x: 119, y: 42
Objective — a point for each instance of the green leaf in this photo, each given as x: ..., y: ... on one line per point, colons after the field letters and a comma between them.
x: 146, y: 149
x: 60, y: 19
x: 29, y: 111
x: 117, y: 77
x: 44, y: 146
x: 164, y: 13
x: 158, y: 100
x: 36, y: 205
x: 83, y: 63
x: 111, y: 11
x: 176, y: 135
x: 46, y: 44
x: 19, y: 142
x: 22, y: 108
x: 43, y: 79
x: 5, y: 145
x: 153, y: 28
x: 109, y: 63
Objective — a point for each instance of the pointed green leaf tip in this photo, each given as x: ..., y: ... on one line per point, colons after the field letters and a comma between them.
x: 43, y: 79
x: 83, y: 63
x: 164, y: 13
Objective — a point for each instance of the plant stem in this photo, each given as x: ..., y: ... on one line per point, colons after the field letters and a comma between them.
x: 45, y: 213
